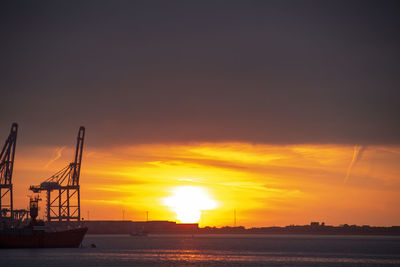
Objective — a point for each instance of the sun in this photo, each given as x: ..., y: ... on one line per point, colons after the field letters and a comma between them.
x: 188, y: 202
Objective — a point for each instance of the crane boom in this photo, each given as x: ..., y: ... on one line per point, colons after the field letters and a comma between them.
x: 78, y: 156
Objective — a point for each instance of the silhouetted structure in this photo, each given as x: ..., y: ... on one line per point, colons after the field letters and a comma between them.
x: 15, y: 233
x: 127, y: 227
x: 65, y: 206
x: 6, y: 171
x: 38, y: 235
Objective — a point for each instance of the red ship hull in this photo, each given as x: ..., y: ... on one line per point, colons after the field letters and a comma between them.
x: 40, y: 239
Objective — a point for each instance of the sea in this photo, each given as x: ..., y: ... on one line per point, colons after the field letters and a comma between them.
x: 214, y: 250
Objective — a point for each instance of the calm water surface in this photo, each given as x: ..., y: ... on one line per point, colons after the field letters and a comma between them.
x: 215, y: 250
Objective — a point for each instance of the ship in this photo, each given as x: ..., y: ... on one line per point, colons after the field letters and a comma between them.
x: 38, y: 235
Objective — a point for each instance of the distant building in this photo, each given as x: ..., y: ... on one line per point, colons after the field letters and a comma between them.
x: 126, y: 227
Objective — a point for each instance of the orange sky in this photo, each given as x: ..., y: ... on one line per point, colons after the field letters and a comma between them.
x: 266, y: 184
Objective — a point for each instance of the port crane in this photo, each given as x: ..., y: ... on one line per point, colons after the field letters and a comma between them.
x: 64, y: 205
x: 6, y: 171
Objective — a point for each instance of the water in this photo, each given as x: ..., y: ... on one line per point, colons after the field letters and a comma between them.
x: 215, y: 250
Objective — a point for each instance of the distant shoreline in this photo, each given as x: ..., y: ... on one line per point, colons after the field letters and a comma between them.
x: 250, y: 234
x: 168, y: 227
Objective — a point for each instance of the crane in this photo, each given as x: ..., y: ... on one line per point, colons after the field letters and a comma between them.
x: 65, y: 204
x: 6, y: 170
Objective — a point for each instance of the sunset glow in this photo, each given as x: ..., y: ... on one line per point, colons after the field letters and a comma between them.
x: 188, y: 133
x: 266, y: 184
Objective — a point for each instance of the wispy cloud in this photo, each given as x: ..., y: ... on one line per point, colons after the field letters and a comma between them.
x: 357, y: 155
x: 58, y: 155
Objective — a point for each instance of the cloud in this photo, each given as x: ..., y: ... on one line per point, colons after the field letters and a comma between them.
x: 357, y: 155
x: 247, y: 72
x: 286, y: 179
x: 58, y: 155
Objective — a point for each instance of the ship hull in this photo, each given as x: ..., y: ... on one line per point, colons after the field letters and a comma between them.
x: 40, y: 239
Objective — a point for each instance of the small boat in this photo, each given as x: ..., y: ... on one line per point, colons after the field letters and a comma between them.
x: 139, y: 233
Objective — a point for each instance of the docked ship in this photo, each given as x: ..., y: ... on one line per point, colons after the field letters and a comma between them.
x: 37, y: 235
x: 62, y: 207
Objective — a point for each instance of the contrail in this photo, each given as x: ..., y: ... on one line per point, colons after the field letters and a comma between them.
x: 59, y: 154
x: 357, y: 154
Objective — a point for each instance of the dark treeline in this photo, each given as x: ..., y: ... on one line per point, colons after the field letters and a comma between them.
x: 312, y: 228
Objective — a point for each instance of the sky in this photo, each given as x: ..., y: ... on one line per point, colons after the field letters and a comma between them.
x: 286, y: 111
